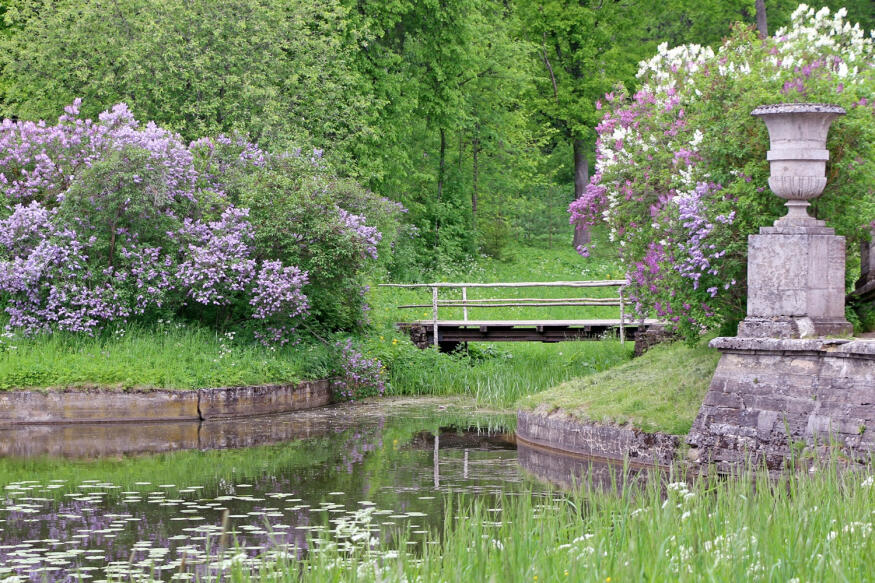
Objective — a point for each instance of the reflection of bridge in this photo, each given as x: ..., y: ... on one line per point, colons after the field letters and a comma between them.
x: 447, y: 334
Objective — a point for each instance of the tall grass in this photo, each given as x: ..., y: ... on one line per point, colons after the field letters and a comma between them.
x: 799, y: 528
x: 493, y: 374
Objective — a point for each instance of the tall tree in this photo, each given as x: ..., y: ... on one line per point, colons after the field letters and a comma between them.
x: 585, y: 47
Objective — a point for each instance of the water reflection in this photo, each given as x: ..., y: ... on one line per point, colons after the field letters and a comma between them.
x: 362, y: 475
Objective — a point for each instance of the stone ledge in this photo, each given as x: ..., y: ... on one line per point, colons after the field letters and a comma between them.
x: 29, y: 407
x: 838, y: 347
x: 560, y: 432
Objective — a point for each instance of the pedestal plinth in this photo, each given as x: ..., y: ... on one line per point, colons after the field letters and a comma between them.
x: 796, y: 283
x: 771, y: 398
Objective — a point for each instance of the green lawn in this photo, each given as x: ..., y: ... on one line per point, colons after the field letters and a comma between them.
x: 166, y: 355
x: 660, y: 391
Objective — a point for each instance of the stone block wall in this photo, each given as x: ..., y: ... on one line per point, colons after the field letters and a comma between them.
x: 768, y: 394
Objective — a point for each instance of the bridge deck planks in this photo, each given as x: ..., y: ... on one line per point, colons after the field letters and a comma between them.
x: 454, y: 332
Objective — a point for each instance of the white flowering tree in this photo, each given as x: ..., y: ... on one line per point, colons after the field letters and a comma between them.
x: 681, y: 173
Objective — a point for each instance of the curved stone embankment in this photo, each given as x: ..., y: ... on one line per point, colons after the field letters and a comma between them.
x: 556, y: 430
x: 98, y: 405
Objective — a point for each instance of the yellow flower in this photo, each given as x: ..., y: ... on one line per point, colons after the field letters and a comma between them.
x: 566, y: 572
x: 381, y: 338
x: 394, y: 341
x: 608, y: 580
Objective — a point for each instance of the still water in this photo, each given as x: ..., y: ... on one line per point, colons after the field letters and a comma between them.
x: 359, y: 474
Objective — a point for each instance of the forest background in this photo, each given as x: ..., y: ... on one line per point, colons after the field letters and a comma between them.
x: 477, y: 116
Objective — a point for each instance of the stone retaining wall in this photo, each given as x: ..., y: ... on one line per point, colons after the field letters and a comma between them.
x: 559, y: 431
x: 769, y: 395
x: 108, y: 405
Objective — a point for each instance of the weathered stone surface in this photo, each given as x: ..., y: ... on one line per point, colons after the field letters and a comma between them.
x: 109, y: 406
x: 264, y: 399
x: 91, y: 405
x: 796, y: 285
x: 768, y: 393
x: 557, y: 430
x: 651, y: 337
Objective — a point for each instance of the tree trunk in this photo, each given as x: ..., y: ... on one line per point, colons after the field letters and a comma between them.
x: 762, y: 25
x: 475, y: 149
x: 581, y: 179
x: 440, y: 186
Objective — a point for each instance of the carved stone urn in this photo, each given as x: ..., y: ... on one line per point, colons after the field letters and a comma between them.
x: 796, y: 268
x: 798, y: 154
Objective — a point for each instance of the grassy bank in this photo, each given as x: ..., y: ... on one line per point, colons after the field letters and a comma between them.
x: 802, y: 528
x: 166, y: 355
x: 660, y: 391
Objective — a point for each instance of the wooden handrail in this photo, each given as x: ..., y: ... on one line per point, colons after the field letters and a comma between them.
x: 509, y: 304
x: 465, y: 303
x: 602, y: 283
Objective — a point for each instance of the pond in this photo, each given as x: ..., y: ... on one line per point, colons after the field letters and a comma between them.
x: 358, y: 474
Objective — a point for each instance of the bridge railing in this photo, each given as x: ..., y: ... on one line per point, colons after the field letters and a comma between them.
x: 465, y: 303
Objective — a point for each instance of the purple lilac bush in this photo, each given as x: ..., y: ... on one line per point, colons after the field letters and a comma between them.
x: 360, y: 376
x: 681, y: 172
x: 110, y: 220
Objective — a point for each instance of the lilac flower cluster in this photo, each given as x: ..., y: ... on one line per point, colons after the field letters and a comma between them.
x: 368, y: 237
x: 107, y: 220
x: 361, y: 376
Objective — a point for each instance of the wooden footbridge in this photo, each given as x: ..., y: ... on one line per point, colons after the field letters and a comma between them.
x: 448, y: 334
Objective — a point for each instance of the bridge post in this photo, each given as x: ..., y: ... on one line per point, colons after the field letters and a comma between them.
x: 622, y: 318
x: 434, y: 314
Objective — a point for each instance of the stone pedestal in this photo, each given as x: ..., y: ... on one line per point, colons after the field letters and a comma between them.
x: 796, y: 283
x: 771, y: 399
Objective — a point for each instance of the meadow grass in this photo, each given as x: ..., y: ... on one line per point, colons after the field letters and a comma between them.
x: 814, y: 527
x: 660, y: 391
x: 166, y: 355
x: 493, y: 374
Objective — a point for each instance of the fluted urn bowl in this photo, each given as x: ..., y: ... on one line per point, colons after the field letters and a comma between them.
x: 798, y: 155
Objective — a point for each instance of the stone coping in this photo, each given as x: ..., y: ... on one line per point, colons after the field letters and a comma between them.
x: 849, y: 347
x: 560, y: 432
x: 102, y: 405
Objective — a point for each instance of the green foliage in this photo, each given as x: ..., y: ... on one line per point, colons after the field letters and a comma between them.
x: 311, y: 218
x: 279, y: 71
x: 682, y: 170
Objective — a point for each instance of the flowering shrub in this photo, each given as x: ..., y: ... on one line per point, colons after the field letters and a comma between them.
x: 361, y: 376
x: 109, y: 220
x: 681, y: 168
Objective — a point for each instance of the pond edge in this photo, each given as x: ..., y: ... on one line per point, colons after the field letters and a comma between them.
x: 558, y: 431
x: 105, y: 405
